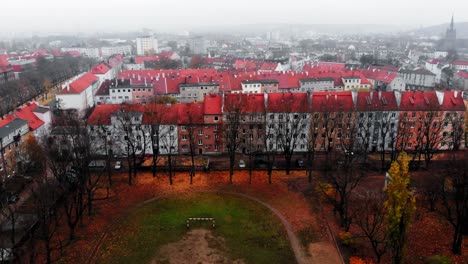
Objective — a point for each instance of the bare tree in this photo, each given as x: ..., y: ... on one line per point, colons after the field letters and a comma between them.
x: 154, y: 114
x: 169, y: 144
x: 129, y: 120
x: 233, y: 109
x: 290, y: 122
x: 371, y: 220
x: 455, y: 199
x: 344, y: 179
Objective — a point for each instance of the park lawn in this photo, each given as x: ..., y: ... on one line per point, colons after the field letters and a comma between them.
x: 251, y: 231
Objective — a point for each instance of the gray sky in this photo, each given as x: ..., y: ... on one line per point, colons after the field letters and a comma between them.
x: 122, y: 15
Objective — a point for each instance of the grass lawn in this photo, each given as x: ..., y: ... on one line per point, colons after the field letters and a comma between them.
x: 251, y: 231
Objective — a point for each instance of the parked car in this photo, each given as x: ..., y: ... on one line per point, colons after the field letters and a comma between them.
x: 118, y: 165
x: 260, y: 161
x: 241, y: 164
x: 300, y: 163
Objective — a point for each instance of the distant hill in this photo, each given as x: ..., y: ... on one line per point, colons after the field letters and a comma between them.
x: 318, y: 28
x: 439, y: 30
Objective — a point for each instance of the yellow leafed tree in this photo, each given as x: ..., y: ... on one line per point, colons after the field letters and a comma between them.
x: 400, y: 206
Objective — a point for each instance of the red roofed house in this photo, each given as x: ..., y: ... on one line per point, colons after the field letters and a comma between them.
x: 377, y: 120
x: 249, y: 110
x: 103, y: 71
x: 78, y: 94
x: 460, y: 65
x: 270, y: 67
x: 38, y: 117
x: 204, y: 137
x: 288, y: 119
x: 333, y: 121
x: 420, y: 121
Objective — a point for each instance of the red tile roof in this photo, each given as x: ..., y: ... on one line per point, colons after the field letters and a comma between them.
x: 26, y: 113
x: 288, y: 102
x: 332, y: 101
x: 102, y: 113
x: 212, y: 104
x: 269, y: 66
x: 191, y: 113
x: 419, y: 101
x: 453, y: 101
x: 249, y: 103
x: 6, y: 119
x: 461, y: 63
x: 79, y: 85
x: 100, y: 69
x: 376, y: 101
x: 141, y: 60
x: 463, y: 74
x: 161, y: 114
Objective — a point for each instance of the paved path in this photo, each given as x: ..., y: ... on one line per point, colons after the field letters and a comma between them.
x: 296, y: 246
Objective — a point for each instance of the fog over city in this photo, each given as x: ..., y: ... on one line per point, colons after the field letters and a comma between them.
x: 55, y: 16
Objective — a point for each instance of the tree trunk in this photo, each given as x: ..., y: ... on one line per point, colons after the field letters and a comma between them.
x: 457, y: 240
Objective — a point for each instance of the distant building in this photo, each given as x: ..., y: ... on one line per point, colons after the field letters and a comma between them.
x: 146, y: 45
x: 109, y: 51
x: 88, y: 52
x: 420, y: 79
x: 449, y: 42
x: 197, y: 45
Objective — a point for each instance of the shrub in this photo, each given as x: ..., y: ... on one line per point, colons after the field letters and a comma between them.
x: 438, y: 259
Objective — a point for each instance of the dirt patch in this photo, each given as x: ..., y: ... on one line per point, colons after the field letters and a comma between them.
x: 324, y: 252
x: 198, y: 246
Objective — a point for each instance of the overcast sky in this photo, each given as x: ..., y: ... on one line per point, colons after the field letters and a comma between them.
x: 162, y: 15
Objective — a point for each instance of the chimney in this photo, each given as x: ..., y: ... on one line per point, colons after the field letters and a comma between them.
x: 139, y: 77
x: 146, y: 84
x: 455, y: 94
x: 68, y: 88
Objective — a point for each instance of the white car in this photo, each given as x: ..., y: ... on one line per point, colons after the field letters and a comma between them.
x: 241, y: 164
x: 118, y: 165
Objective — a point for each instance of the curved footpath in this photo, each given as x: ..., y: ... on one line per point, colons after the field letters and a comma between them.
x: 296, y: 246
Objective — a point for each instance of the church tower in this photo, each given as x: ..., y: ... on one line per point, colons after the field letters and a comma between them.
x: 450, y: 37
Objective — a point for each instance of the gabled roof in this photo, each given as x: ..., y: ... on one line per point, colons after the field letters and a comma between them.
x: 288, y: 102
x: 213, y: 104
x: 79, y: 85
x: 161, y: 114
x: 100, y: 69
x: 460, y: 63
x: 191, y: 113
x: 332, y: 101
x: 453, y: 101
x: 376, y: 101
x: 419, y: 101
x: 269, y: 66
x: 141, y: 60
x: 247, y: 103
x: 102, y: 113
x: 463, y: 74
x: 27, y: 113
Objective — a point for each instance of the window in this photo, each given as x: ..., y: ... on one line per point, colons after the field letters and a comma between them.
x: 200, y: 132
x: 215, y: 128
x: 184, y: 137
x: 413, y: 114
x: 200, y: 142
x: 171, y: 128
x: 215, y: 118
x: 183, y: 128
x: 280, y: 116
